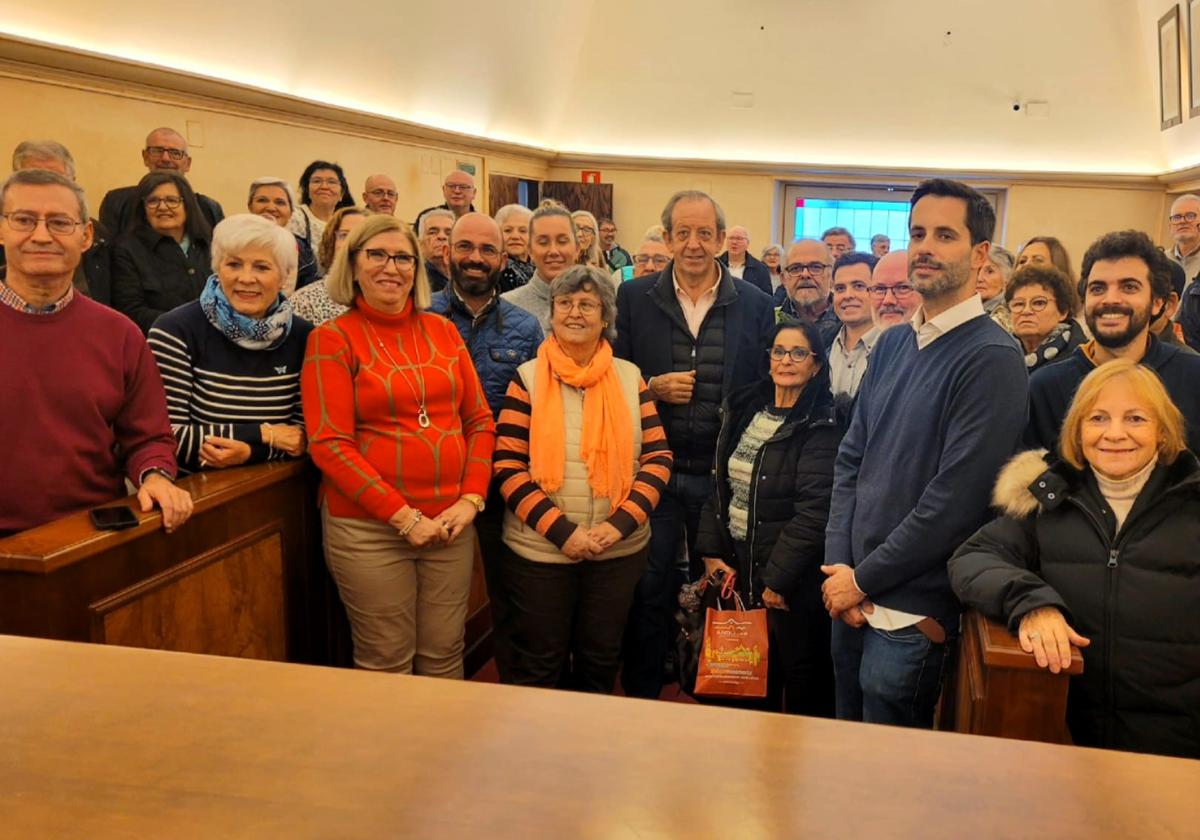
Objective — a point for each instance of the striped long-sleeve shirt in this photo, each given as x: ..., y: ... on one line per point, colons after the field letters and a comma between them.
x: 215, y: 387
x: 536, y: 509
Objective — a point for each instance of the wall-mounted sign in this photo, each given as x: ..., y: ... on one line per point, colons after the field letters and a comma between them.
x: 591, y: 176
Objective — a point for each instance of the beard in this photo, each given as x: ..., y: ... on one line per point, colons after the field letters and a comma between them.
x: 1137, y: 322
x: 474, y: 286
x: 953, y: 277
x: 808, y: 295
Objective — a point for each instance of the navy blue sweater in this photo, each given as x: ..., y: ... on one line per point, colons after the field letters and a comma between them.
x: 930, y: 431
x: 1052, y: 388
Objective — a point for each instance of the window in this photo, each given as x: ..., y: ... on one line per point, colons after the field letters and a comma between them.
x: 864, y: 219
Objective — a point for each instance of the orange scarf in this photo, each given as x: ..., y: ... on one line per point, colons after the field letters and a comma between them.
x: 606, y: 445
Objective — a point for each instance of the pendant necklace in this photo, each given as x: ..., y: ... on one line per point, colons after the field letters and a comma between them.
x: 422, y: 413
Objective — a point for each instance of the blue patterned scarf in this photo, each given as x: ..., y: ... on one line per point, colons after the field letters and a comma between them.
x: 250, y: 333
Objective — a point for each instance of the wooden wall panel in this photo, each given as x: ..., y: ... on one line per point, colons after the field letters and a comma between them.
x: 502, y: 190
x: 597, y: 199
x: 227, y: 602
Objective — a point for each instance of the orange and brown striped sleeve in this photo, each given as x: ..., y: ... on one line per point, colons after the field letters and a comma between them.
x: 653, y: 474
x: 511, y: 468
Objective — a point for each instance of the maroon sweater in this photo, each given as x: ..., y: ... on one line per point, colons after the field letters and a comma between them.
x: 80, y: 399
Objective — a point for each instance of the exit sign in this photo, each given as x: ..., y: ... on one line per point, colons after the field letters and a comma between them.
x: 591, y: 176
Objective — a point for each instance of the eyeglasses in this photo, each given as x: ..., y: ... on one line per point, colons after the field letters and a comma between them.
x: 658, y: 260
x: 816, y: 269
x: 316, y: 181
x: 797, y: 354
x: 26, y: 222
x: 564, y: 305
x: 1177, y: 218
x: 170, y: 201
x: 458, y: 187
x: 591, y: 231
x: 382, y: 193
x: 379, y: 258
x: 858, y: 287
x: 159, y: 151
x: 464, y: 249
x: 1035, y: 305
x: 900, y: 290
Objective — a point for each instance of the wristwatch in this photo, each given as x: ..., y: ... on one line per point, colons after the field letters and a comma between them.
x: 147, y: 473
x: 476, y: 500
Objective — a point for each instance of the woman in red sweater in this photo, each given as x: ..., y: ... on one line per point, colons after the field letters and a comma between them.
x: 398, y: 424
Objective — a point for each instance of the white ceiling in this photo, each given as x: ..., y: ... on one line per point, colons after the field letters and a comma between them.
x: 851, y: 82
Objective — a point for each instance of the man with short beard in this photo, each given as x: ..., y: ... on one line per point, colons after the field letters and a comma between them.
x: 939, y: 412
x: 500, y: 337
x: 894, y: 300
x: 805, y: 276
x: 1127, y: 284
x: 852, y: 345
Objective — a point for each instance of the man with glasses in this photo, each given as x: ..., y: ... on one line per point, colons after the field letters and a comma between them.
x: 696, y: 333
x: 894, y: 299
x: 852, y: 344
x: 166, y: 150
x: 84, y: 406
x: 742, y: 264
x: 805, y: 281
x: 458, y: 190
x: 940, y: 410
x: 500, y: 336
x: 434, y: 233
x: 1184, y: 219
x: 380, y: 195
x: 652, y: 256
x: 616, y: 256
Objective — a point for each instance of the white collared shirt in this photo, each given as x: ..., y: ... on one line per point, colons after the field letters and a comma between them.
x: 848, y: 366
x: 957, y: 315
x: 694, y: 311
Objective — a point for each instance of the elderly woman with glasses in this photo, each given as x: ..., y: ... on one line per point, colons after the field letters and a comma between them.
x: 1096, y: 549
x: 765, y: 522
x: 272, y: 198
x: 1041, y: 299
x: 313, y: 303
x: 590, y: 252
x: 231, y: 360
x: 581, y: 460
x: 163, y: 258
x: 401, y: 431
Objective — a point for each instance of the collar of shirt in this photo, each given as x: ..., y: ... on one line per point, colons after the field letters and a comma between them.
x: 957, y: 315
x: 484, y: 310
x: 15, y: 301
x: 681, y: 293
x: 866, y: 340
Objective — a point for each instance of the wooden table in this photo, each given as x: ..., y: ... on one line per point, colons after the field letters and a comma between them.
x: 101, y: 742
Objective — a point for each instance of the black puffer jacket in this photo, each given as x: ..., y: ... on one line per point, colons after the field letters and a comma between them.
x: 1135, y: 596
x: 790, y: 489
x: 151, y: 275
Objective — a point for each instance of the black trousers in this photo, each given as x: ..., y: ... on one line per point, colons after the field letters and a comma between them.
x: 488, y: 528
x: 567, y: 619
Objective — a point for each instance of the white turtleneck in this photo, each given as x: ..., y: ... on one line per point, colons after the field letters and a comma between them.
x: 1121, y: 493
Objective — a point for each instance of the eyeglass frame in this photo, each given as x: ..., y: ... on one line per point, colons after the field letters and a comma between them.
x: 381, y: 262
x: 46, y: 220
x: 1031, y: 305
x: 778, y: 353
x: 874, y: 291
x: 173, y: 154
x: 464, y: 249
x: 795, y: 270
x: 1180, y: 218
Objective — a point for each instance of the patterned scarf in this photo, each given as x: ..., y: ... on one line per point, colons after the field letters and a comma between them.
x: 250, y: 333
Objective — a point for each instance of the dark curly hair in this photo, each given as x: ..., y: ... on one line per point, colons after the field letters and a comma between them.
x: 1131, y: 243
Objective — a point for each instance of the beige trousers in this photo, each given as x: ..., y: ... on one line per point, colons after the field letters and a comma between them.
x: 407, y: 606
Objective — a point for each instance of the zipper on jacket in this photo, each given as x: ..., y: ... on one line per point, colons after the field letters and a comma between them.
x: 1110, y: 585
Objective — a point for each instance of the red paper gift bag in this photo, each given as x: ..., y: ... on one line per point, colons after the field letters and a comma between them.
x: 733, y: 661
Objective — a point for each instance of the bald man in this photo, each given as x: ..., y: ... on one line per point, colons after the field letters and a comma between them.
x: 894, y: 299
x: 742, y: 264
x: 458, y: 190
x: 380, y: 195
x: 166, y: 150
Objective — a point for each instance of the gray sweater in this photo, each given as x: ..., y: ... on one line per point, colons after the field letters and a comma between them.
x: 534, y: 298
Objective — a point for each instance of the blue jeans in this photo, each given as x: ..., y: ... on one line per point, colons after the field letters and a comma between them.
x: 651, y: 618
x: 889, y: 676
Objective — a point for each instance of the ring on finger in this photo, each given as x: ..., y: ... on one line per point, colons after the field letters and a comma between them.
x: 1034, y: 635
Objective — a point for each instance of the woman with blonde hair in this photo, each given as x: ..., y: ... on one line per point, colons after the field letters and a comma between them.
x: 1097, y: 550
x: 590, y: 252
x: 398, y: 425
x: 313, y: 303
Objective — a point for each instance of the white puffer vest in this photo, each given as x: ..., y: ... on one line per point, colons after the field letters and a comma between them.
x: 574, y: 498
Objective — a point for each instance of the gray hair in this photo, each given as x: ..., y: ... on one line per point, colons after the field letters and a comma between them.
x: 268, y: 181
x: 881, y: 237
x: 1185, y: 197
x: 45, y: 178
x: 1003, y: 259
x: 507, y: 210
x: 585, y: 278
x: 840, y: 231
x: 43, y: 150
x: 429, y: 214
x: 691, y: 195
x: 772, y: 247
x: 553, y: 208
x: 236, y: 233
x: 653, y: 237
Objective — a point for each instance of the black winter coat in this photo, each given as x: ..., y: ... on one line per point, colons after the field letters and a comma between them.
x: 790, y: 490
x: 151, y: 275
x: 756, y: 272
x: 1136, y: 596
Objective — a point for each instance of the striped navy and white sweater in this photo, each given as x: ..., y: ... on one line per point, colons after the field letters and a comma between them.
x: 215, y: 387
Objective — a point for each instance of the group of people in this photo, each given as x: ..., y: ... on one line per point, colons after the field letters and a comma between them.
x: 825, y: 429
